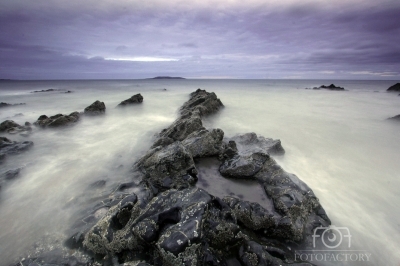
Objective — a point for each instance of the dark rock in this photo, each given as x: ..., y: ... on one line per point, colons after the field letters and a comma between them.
x: 331, y: 87
x: 183, y: 127
x: 11, y: 127
x: 44, y: 90
x: 167, y: 77
x: 137, y: 98
x: 68, y: 92
x: 203, y: 102
x: 2, y: 104
x: 58, y: 120
x: 7, y: 125
x: 245, y: 165
x: 8, y: 147
x: 96, y: 108
x: 395, y: 118
x: 167, y: 167
x: 163, y: 141
x: 250, y: 141
x: 203, y: 143
x: 395, y: 87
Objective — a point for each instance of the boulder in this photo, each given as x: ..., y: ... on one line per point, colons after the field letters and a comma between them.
x: 96, y: 108
x: 203, y: 102
x: 395, y: 87
x: 58, y: 120
x: 137, y: 98
x: 250, y: 141
x: 11, y: 127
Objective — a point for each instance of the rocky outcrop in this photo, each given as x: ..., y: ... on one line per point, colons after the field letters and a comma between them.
x: 172, y: 222
x: 58, y: 120
x: 2, y: 104
x: 137, y: 98
x: 394, y: 88
x: 96, y: 108
x: 11, y: 127
x: 48, y: 90
x: 8, y: 147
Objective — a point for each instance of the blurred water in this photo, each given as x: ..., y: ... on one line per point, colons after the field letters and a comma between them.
x: 339, y: 143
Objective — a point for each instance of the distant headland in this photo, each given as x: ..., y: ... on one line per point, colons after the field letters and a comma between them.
x: 167, y: 77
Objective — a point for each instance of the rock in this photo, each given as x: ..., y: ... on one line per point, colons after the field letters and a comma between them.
x: 7, y: 125
x: 183, y: 127
x: 167, y: 167
x: 137, y: 98
x: 203, y: 102
x: 395, y: 87
x: 96, y: 108
x: 2, y: 104
x: 11, y: 127
x: 8, y: 147
x: 58, y: 120
x: 9, y: 175
x: 43, y: 90
x: 331, y: 87
x: 251, y: 141
x: 245, y: 165
x: 203, y: 143
x: 395, y: 118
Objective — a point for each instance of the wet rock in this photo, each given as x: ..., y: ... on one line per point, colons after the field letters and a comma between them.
x: 183, y: 127
x: 2, y: 104
x: 204, y: 143
x: 395, y: 87
x: 9, y: 175
x: 203, y: 102
x: 137, y: 98
x: 96, y: 108
x: 250, y: 141
x: 11, y: 127
x: 245, y: 165
x: 167, y: 167
x: 58, y: 120
x: 163, y: 141
x: 332, y: 87
x: 8, y: 147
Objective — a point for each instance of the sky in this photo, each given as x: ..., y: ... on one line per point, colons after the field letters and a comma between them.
x: 269, y: 39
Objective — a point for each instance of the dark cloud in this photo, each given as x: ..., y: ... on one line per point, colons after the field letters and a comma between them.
x: 78, y: 39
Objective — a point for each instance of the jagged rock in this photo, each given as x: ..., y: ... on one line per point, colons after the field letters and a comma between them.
x: 331, y: 87
x: 137, y: 98
x: 245, y: 165
x: 163, y: 141
x: 202, y: 101
x: 204, y: 143
x: 395, y: 87
x: 167, y: 167
x: 7, y: 125
x: 58, y: 120
x: 96, y: 108
x: 11, y: 127
x: 2, y: 104
x: 183, y: 127
x: 250, y: 141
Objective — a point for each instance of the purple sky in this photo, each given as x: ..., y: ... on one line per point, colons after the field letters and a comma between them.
x: 75, y: 39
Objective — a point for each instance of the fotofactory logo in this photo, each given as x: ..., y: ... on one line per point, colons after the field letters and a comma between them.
x: 332, y: 244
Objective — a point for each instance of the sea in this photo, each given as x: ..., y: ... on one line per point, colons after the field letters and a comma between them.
x: 340, y: 143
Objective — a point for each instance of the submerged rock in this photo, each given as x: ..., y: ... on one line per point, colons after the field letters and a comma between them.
x: 395, y: 87
x: 137, y: 98
x: 11, y: 127
x: 8, y: 147
x: 96, y: 108
x: 58, y: 120
x: 2, y: 104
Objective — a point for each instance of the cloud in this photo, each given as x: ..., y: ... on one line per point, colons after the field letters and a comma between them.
x: 252, y: 39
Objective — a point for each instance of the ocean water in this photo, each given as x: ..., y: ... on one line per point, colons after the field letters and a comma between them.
x: 338, y: 142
